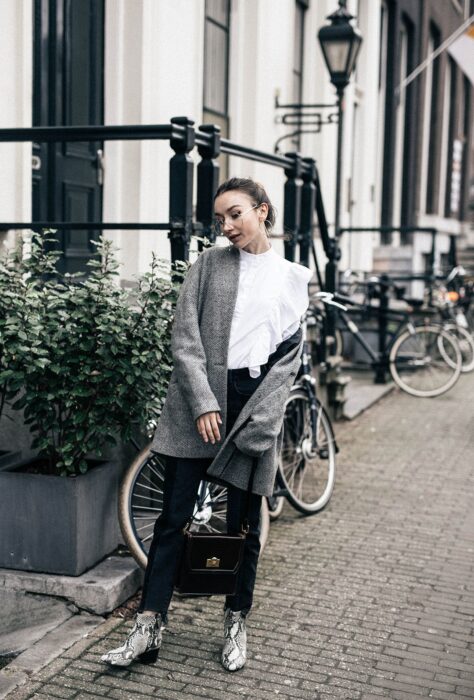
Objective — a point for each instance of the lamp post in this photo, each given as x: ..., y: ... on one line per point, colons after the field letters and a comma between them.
x: 340, y: 43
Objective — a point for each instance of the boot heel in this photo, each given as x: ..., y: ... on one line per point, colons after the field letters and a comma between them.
x: 148, y: 657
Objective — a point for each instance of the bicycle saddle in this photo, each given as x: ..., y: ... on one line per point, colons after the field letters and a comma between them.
x: 417, y: 303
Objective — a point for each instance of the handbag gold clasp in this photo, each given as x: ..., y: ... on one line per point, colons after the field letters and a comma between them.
x: 213, y: 563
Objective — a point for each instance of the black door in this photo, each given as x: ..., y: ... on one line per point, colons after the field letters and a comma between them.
x: 68, y: 90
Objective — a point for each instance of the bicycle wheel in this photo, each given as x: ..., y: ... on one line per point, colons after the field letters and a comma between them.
x: 307, y: 468
x: 466, y: 346
x: 141, y: 502
x: 417, y: 363
x: 275, y: 506
x: 469, y: 313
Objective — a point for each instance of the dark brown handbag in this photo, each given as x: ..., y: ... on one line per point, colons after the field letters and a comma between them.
x: 210, y: 562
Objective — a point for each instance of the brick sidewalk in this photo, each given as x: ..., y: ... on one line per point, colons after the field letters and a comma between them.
x: 371, y: 599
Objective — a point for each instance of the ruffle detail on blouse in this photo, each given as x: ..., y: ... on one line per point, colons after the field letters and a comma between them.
x: 294, y: 301
x: 279, y: 298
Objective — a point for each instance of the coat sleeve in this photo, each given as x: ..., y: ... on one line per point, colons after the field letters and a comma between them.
x: 189, y: 358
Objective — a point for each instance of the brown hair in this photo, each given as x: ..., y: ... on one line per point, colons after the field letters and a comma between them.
x: 255, y: 191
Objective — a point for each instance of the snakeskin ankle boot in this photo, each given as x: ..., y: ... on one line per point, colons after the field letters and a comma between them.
x: 142, y: 644
x: 234, y: 651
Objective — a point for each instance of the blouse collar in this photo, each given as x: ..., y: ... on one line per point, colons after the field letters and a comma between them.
x: 252, y: 257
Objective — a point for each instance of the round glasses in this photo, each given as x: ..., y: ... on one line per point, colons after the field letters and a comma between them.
x: 219, y: 224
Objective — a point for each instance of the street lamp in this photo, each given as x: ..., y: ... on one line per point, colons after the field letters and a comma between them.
x: 340, y: 43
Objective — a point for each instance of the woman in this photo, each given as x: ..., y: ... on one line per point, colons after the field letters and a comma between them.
x: 236, y: 329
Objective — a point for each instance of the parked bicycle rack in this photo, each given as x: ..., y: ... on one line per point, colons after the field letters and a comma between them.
x: 429, y: 277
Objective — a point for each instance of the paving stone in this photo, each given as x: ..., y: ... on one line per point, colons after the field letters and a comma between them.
x: 370, y: 599
x: 399, y: 685
x: 466, y: 674
x: 57, y: 691
x: 442, y: 695
x: 9, y: 687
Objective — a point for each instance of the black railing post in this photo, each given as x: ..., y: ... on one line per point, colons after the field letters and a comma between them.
x: 208, y: 180
x: 431, y: 263
x: 181, y: 189
x: 330, y: 245
x: 432, y: 254
x: 292, y: 210
x: 452, y: 254
x: 381, y: 367
x: 308, y: 200
x: 330, y: 283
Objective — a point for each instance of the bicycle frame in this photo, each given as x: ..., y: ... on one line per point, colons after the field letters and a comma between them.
x: 308, y: 383
x: 399, y: 317
x: 378, y: 360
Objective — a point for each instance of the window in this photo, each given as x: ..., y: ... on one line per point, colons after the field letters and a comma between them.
x: 216, y: 67
x: 454, y: 149
x: 298, y: 49
x: 445, y: 265
x: 434, y: 121
x: 381, y: 103
x: 426, y: 126
x: 444, y: 146
x: 467, y: 127
x: 400, y: 122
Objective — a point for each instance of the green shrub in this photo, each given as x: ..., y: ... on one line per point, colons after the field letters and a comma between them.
x: 86, y: 360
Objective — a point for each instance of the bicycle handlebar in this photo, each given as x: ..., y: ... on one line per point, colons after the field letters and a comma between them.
x: 457, y: 270
x: 334, y: 299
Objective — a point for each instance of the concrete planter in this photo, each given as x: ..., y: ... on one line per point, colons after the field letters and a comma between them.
x: 7, y: 459
x: 59, y: 525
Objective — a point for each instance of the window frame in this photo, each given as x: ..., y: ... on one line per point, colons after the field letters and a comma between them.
x: 226, y: 29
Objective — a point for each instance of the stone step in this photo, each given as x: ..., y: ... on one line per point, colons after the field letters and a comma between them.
x: 99, y: 590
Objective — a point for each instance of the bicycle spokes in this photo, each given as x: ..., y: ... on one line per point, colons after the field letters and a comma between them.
x: 425, y: 361
x: 308, y: 453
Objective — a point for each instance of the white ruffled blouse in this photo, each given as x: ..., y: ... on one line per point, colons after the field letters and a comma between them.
x: 271, y: 298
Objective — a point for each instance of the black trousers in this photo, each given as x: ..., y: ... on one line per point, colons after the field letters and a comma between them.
x: 181, y: 483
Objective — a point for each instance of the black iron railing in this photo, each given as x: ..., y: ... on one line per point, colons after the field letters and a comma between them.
x: 302, y: 194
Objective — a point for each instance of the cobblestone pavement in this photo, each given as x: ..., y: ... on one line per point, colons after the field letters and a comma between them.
x: 374, y: 598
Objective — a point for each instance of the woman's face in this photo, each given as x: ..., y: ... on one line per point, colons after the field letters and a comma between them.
x: 239, y: 219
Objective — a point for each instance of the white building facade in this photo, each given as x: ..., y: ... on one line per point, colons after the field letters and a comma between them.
x: 223, y: 62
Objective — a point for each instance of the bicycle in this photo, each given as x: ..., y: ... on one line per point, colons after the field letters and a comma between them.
x: 415, y: 354
x: 460, y: 291
x: 453, y: 298
x: 441, y: 303
x: 455, y: 322
x: 307, y: 468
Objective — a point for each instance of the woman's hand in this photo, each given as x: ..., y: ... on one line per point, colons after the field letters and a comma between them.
x: 207, y: 426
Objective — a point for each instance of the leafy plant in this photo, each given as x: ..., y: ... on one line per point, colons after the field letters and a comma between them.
x: 86, y: 360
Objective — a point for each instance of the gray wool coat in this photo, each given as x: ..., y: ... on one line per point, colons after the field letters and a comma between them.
x: 198, y: 384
